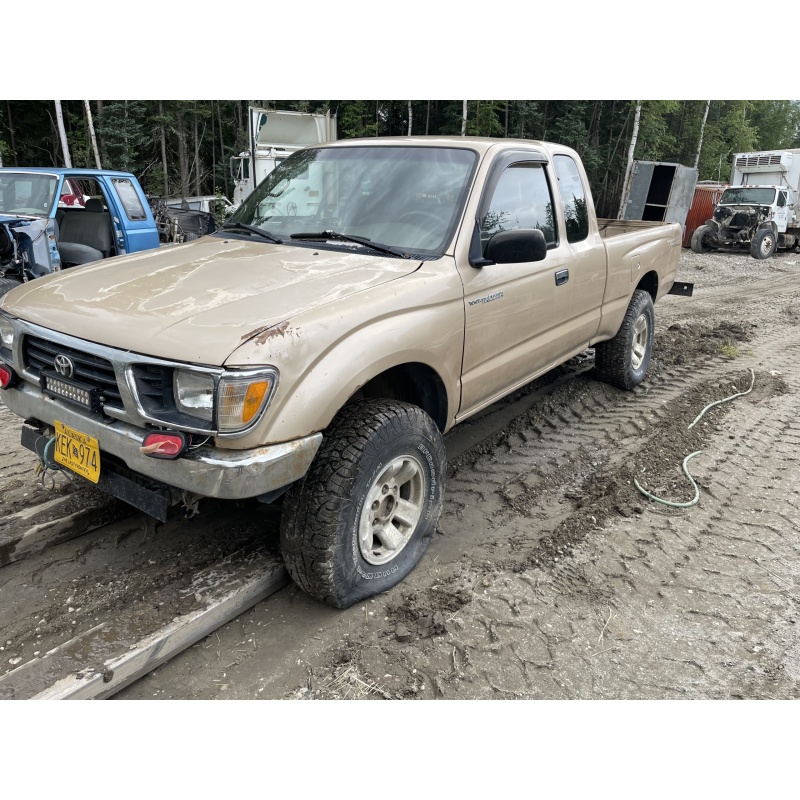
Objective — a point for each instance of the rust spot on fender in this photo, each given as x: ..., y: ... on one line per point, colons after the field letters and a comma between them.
x: 263, y: 335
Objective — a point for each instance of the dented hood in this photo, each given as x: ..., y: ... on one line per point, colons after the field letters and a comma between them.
x: 197, y: 302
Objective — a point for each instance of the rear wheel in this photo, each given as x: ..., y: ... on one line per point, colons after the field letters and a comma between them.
x: 701, y: 239
x: 7, y: 284
x: 763, y: 244
x: 623, y: 360
x: 364, y: 514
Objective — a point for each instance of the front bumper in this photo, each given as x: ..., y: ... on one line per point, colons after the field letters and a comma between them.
x: 206, y: 471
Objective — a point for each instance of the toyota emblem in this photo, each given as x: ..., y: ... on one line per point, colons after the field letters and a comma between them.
x: 64, y: 366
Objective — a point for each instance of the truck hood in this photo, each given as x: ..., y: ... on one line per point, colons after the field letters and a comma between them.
x: 197, y: 302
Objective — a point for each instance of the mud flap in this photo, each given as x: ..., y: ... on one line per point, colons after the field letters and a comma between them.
x: 682, y: 288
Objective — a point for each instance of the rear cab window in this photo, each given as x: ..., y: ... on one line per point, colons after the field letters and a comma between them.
x: 134, y: 209
x: 573, y: 198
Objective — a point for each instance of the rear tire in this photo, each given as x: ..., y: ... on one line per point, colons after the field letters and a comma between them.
x: 763, y: 244
x: 7, y: 284
x: 623, y: 360
x: 364, y: 514
x: 701, y: 239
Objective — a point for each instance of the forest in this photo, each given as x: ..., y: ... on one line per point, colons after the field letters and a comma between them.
x: 183, y: 147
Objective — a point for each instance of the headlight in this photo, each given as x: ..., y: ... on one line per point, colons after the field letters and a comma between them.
x: 6, y: 333
x: 194, y: 393
x: 242, y: 398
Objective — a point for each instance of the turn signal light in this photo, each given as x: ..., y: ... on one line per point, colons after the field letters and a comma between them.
x: 6, y: 376
x: 241, y: 400
x: 165, y: 444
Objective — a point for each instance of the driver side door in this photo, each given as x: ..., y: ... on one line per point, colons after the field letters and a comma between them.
x: 514, y: 312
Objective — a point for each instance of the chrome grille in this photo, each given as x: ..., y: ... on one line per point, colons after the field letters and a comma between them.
x: 39, y: 354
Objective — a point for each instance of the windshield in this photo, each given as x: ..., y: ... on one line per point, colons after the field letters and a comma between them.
x: 27, y: 193
x: 405, y: 197
x: 755, y: 195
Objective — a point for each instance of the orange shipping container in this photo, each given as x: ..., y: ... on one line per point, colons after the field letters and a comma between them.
x: 706, y: 195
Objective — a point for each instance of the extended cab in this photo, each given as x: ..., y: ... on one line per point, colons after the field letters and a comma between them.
x: 369, y: 295
x: 56, y: 218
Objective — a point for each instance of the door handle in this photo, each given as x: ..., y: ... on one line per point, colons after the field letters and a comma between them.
x: 562, y: 276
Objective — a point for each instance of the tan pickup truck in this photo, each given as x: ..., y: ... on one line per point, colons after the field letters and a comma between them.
x: 369, y: 295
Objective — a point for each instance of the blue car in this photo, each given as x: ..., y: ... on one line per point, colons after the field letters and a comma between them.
x: 52, y: 219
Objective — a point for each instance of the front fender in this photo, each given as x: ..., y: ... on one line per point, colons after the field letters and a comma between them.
x: 325, y: 356
x: 771, y: 226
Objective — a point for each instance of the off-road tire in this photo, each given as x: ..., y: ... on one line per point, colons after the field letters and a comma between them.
x: 699, y: 242
x: 324, y: 511
x: 763, y: 244
x: 7, y: 284
x: 623, y: 360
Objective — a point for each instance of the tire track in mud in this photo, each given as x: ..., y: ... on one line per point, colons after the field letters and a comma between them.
x: 651, y: 603
x: 668, y: 604
x: 538, y: 451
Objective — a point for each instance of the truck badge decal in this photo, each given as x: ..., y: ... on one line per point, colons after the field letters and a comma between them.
x: 64, y: 366
x: 487, y: 299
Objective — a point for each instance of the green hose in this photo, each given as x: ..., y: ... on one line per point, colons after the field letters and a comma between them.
x: 696, y: 453
x: 688, y: 504
x: 732, y: 397
x: 47, y: 461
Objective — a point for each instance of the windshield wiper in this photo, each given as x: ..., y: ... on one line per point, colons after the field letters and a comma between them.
x: 240, y: 226
x: 344, y: 237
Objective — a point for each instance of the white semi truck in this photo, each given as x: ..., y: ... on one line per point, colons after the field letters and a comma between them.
x: 759, y: 210
x: 273, y: 136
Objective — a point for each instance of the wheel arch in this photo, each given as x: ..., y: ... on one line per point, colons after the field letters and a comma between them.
x: 649, y: 283
x: 325, y: 389
x: 411, y: 382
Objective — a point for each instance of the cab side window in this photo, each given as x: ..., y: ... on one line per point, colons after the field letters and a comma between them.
x: 573, y: 198
x: 781, y: 199
x: 130, y: 200
x: 521, y: 199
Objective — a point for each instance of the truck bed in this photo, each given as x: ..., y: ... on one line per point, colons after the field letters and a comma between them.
x: 615, y: 227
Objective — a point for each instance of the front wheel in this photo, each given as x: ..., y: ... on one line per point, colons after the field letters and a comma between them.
x: 362, y: 517
x: 701, y: 239
x: 763, y: 244
x: 623, y: 360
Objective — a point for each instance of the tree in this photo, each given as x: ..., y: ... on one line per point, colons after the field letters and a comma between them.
x: 62, y: 134
x: 125, y: 135
x: 631, y: 151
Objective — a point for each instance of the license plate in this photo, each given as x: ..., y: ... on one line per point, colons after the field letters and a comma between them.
x: 78, y: 452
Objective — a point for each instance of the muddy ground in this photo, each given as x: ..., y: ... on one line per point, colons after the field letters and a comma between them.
x: 552, y: 576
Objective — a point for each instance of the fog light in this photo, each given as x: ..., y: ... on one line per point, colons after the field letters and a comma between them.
x: 165, y: 444
x: 6, y: 376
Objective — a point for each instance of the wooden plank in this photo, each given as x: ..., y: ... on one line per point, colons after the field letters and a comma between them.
x: 100, y: 662
x: 38, y: 527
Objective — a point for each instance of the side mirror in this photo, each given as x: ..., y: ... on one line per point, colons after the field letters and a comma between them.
x: 516, y: 246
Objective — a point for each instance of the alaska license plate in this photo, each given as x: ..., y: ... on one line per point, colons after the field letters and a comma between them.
x: 78, y: 452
